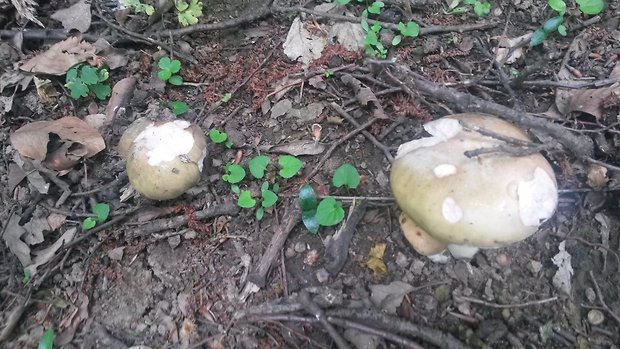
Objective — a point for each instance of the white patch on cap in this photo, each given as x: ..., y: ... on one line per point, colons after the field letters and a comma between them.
x: 441, y: 130
x: 166, y: 141
x: 444, y: 170
x: 538, y: 198
x: 451, y: 211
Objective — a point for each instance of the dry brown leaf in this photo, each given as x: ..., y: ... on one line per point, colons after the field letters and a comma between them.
x: 60, y: 57
x: 301, y: 147
x: 45, y: 255
x: 31, y: 140
x: 375, y: 261
x: 122, y: 92
x: 77, y: 16
x: 12, y: 237
x: 591, y: 101
x: 597, y: 176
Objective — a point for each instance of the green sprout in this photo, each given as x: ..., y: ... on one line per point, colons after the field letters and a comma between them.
x: 234, y: 173
x: 588, y: 7
x: 246, y: 200
x: 411, y: 30
x: 289, y: 166
x: 188, y: 12
x: 139, y: 7
x: 481, y: 8
x: 178, y: 107
x: 27, y: 276
x: 258, y: 165
x: 226, y: 97
x: 82, y: 79
x: 218, y: 136
x: 329, y: 212
x: 268, y: 199
x: 47, y: 339
x: 329, y: 73
x: 346, y: 175
x: 168, y: 69
x: 101, y: 211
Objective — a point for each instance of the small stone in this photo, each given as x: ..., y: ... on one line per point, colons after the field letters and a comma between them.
x: 174, y: 241
x: 590, y: 294
x: 300, y: 247
x: 596, y: 317
x: 535, y: 267
x: 503, y: 260
x: 191, y: 234
x: 289, y: 252
x: 116, y: 254
x: 322, y: 275
x: 364, y: 165
x: 402, y: 260
x: 417, y: 266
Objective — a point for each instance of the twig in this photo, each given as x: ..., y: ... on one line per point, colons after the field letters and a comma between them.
x: 259, y: 275
x: 386, y: 151
x: 335, y: 145
x: 121, y: 177
x: 313, y: 309
x: 337, y: 245
x: 505, y: 306
x: 602, y: 300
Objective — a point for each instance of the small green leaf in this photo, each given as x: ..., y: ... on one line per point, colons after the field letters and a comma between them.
x: 558, y: 6
x: 397, y: 39
x: 226, y: 97
x: 26, y: 277
x: 103, y: 74
x: 482, y: 9
x: 275, y: 187
x: 228, y: 144
x: 591, y: 7
x: 264, y: 186
x: 72, y: 74
x: 346, y: 175
x: 175, y: 66
x: 246, y: 200
x: 47, y: 339
x: 235, y: 189
x: 164, y: 63
x: 78, y: 89
x: 179, y: 107
x: 164, y: 75
x: 376, y: 27
x: 329, y: 212
x: 364, y: 25
x: 257, y: 165
x: 217, y: 136
x: 89, y: 75
x: 562, y: 30
x: 102, y: 210
x: 234, y: 173
x: 538, y: 37
x: 342, y: 2
x: 412, y: 29
x: 269, y: 198
x: 307, y: 198
x: 552, y: 24
x: 289, y: 166
x: 375, y: 7
x: 260, y: 212
x: 88, y: 223
x: 309, y: 220
x: 176, y: 80
x: 101, y: 91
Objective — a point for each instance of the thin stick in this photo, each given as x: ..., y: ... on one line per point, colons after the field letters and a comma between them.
x: 601, y: 300
x: 506, y: 306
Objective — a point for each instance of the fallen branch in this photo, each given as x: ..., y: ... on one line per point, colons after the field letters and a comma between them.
x: 337, y: 245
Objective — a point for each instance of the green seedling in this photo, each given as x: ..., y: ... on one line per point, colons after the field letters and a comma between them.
x: 329, y: 212
x: 101, y: 211
x: 234, y: 173
x: 139, y: 7
x: 226, y: 97
x: 246, y: 200
x: 481, y: 8
x: 329, y: 73
x: 346, y: 175
x: 258, y: 165
x: 27, y: 276
x: 82, y: 79
x: 374, y: 47
x: 168, y: 69
x: 218, y: 136
x: 47, y: 339
x: 589, y: 7
x: 308, y: 203
x: 411, y: 30
x: 178, y: 107
x: 289, y: 166
x: 268, y: 199
x: 188, y: 12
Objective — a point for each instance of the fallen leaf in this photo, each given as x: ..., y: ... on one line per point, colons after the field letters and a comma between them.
x: 389, y: 297
x: 32, y: 139
x: 122, y: 92
x: 562, y: 277
x: 15, y: 77
x: 116, y: 254
x: 308, y: 113
x: 35, y: 228
x: 56, y: 220
x: 301, y: 45
x: 281, y: 108
x: 375, y: 261
x: 505, y: 44
x: 301, y: 147
x: 112, y: 57
x: 12, y: 238
x: 34, y: 177
x: 45, y: 255
x: 364, y: 95
x: 60, y: 57
x: 26, y: 9
x: 77, y: 16
x: 6, y: 104
x: 350, y: 35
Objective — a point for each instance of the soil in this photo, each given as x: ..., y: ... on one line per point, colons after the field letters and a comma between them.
x: 186, y: 287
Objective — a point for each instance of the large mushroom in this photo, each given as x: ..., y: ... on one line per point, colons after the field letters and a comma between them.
x: 450, y: 200
x: 164, y: 159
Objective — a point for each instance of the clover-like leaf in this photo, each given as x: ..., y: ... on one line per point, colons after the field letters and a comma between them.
x: 218, y: 136
x: 411, y: 29
x: 558, y: 5
x: 89, y: 75
x: 269, y: 198
x: 257, y: 165
x: 246, y: 200
x: 346, y: 175
x: 102, y: 210
x: 164, y: 63
x: 234, y: 173
x: 89, y: 223
x: 591, y: 7
x: 164, y: 75
x: 552, y: 24
x: 329, y: 212
x: 176, y: 80
x: 375, y: 7
x: 178, y: 107
x: 482, y: 8
x: 289, y: 166
x: 77, y: 89
x: 101, y: 91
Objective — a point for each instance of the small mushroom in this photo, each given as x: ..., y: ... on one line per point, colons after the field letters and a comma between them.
x: 164, y: 159
x: 449, y: 200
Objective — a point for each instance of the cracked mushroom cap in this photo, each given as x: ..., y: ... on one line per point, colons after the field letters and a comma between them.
x: 487, y: 201
x: 164, y: 159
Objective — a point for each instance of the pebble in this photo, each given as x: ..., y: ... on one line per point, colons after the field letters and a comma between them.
x: 402, y: 260
x: 322, y: 275
x: 535, y: 267
x: 174, y: 241
x: 300, y: 247
x: 596, y: 317
x: 289, y: 253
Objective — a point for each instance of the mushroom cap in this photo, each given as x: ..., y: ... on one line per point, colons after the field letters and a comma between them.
x: 419, y: 239
x: 165, y: 159
x: 491, y: 200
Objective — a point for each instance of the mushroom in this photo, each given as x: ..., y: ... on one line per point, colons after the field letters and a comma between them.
x: 164, y: 159
x: 449, y: 200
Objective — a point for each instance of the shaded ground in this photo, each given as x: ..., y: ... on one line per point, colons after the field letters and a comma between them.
x: 186, y: 287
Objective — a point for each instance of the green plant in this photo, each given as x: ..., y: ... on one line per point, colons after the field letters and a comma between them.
x: 101, y: 211
x: 178, y: 107
x: 139, y: 7
x: 346, y: 175
x: 218, y: 136
x: 329, y: 73
x: 411, y: 30
x: 373, y: 45
x: 258, y: 165
x: 226, y: 97
x: 246, y: 200
x: 27, y: 276
x: 289, y: 166
x: 268, y: 199
x: 82, y: 79
x: 589, y: 7
x: 329, y: 212
x: 168, y: 69
x: 188, y: 12
x: 47, y: 339
x: 481, y: 8
x: 234, y: 173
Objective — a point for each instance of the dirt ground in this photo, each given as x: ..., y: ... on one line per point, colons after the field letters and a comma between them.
x: 198, y: 284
